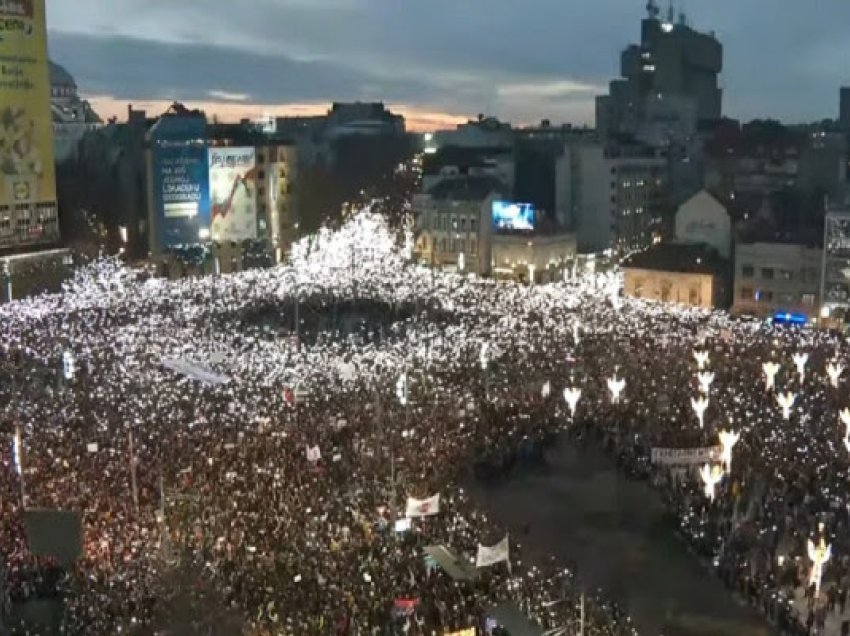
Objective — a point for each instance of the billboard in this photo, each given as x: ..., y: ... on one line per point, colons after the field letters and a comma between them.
x: 181, y: 191
x: 509, y: 216
x: 27, y: 173
x: 836, y: 260
x: 233, y: 190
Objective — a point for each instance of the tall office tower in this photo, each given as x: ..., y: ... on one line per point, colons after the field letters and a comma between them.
x: 668, y: 84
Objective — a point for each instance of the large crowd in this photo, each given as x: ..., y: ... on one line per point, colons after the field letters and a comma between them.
x: 227, y: 494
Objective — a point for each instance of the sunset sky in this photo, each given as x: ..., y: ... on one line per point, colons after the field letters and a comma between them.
x: 436, y: 61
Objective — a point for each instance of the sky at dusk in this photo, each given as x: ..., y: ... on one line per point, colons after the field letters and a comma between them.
x: 436, y: 61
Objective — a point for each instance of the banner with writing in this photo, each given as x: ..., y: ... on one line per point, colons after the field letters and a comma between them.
x: 686, y: 456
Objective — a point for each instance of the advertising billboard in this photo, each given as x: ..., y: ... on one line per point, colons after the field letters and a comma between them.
x: 509, y: 216
x: 27, y: 173
x: 233, y: 190
x: 181, y: 186
x: 836, y: 260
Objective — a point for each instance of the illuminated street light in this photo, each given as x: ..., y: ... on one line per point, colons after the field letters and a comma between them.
x: 711, y: 476
x: 616, y: 386
x: 786, y: 402
x: 834, y: 370
x: 702, y: 359
x: 800, y: 360
x: 728, y: 439
x: 770, y: 370
x: 819, y: 555
x: 705, y: 379
x: 699, y: 405
x: 572, y: 395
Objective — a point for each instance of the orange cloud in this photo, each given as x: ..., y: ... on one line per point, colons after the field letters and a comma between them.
x: 417, y: 119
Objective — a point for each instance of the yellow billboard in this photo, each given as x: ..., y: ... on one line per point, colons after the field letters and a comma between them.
x: 27, y: 173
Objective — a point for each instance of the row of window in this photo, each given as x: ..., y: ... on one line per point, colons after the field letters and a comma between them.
x: 782, y: 298
x: 445, y: 223
x: 806, y: 274
x: 456, y: 246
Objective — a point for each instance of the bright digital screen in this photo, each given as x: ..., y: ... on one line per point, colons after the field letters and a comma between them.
x: 513, y: 216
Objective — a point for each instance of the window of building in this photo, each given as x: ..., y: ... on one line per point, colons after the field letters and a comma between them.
x: 748, y: 271
x: 473, y: 225
x: 463, y: 224
x: 473, y: 246
x: 261, y: 174
x: 767, y: 273
x: 785, y: 274
x: 809, y: 300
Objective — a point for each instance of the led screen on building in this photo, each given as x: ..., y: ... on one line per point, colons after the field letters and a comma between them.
x: 181, y: 192
x: 836, y: 260
x: 27, y: 174
x: 233, y: 190
x: 512, y: 216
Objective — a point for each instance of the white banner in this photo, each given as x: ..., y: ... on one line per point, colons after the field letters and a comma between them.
x: 493, y: 554
x: 194, y: 371
x: 233, y: 193
x: 686, y: 456
x: 422, y: 507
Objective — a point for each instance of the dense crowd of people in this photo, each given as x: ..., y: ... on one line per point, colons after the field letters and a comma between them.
x: 275, y: 494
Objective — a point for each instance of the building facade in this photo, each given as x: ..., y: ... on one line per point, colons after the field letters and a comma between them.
x: 702, y: 219
x: 73, y: 117
x: 835, y: 272
x: 613, y: 199
x: 669, y: 79
x: 777, y: 278
x: 690, y: 275
x: 844, y: 109
x: 28, y: 210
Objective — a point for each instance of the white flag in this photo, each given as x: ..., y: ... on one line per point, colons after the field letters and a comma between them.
x: 422, y: 507
x: 493, y: 554
x: 313, y: 454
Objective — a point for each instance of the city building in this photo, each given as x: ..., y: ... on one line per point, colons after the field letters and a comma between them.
x: 456, y: 231
x: 702, y: 219
x: 844, y: 109
x: 73, y: 117
x: 835, y: 271
x: 613, y: 197
x: 484, y: 132
x: 823, y: 165
x: 777, y: 279
x: 28, y: 212
x: 692, y: 275
x: 453, y: 222
x: 221, y: 185
x: 669, y: 82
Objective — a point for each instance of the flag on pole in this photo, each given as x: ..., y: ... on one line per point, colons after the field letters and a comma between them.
x: 422, y: 507
x: 493, y: 554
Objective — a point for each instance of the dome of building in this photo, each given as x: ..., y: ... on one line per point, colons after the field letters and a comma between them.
x: 60, y: 77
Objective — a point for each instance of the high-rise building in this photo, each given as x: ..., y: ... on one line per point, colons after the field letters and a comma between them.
x: 668, y: 84
x: 844, y: 109
x: 28, y: 211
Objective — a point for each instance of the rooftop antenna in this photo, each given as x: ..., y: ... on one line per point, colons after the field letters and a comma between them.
x: 652, y: 9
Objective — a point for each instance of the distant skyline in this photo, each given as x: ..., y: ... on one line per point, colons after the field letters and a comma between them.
x: 438, y: 62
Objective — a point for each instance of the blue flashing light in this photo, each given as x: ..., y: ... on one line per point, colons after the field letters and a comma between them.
x: 788, y: 318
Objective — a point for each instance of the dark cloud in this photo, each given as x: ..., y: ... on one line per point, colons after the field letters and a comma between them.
x: 130, y: 68
x: 783, y: 59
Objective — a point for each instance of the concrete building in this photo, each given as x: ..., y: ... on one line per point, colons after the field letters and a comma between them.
x: 613, y: 199
x: 703, y: 220
x: 668, y: 81
x: 455, y: 232
x: 692, y: 275
x: 835, y: 270
x: 538, y: 258
x: 73, y: 117
x: 777, y: 278
x: 453, y: 219
x: 484, y: 132
x: 844, y: 109
x: 823, y: 164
